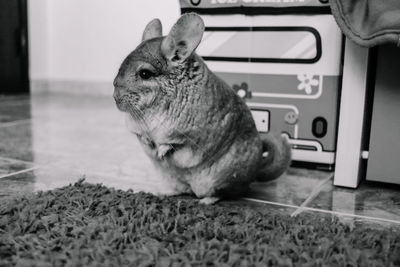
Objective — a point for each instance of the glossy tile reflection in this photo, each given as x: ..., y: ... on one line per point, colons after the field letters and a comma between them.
x: 292, y: 188
x: 49, y: 140
x: 369, y: 199
x: 9, y: 166
x: 16, y: 185
x: 16, y: 142
x: 14, y: 108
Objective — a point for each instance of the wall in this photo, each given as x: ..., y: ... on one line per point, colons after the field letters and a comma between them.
x: 38, y: 39
x: 86, y: 40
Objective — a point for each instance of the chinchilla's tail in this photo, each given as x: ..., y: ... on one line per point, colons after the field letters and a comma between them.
x: 276, y: 157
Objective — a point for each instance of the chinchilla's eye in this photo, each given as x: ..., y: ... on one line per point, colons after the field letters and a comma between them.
x: 145, y: 74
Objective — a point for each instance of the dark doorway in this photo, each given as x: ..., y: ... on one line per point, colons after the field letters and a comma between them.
x: 14, y: 77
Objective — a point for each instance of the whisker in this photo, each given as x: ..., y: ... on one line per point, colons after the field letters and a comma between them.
x: 139, y: 119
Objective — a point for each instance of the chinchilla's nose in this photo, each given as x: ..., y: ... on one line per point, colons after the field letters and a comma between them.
x: 117, y: 88
x: 117, y: 82
x: 116, y: 94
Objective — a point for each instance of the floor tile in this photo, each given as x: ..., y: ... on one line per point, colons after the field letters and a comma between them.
x: 369, y: 199
x: 63, y: 127
x: 8, y: 166
x: 14, y: 108
x: 355, y: 221
x: 54, y: 176
x: 292, y: 188
x: 16, y: 142
x: 262, y: 207
x: 17, y: 185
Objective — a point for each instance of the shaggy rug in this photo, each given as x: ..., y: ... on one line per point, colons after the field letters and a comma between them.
x: 92, y: 225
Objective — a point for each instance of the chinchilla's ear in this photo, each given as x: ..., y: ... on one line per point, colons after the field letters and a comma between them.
x: 152, y: 30
x: 183, y: 38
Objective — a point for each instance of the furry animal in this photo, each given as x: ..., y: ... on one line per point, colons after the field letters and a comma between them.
x: 193, y: 126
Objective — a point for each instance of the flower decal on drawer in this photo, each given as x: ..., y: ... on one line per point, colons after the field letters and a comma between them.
x: 242, y: 90
x: 307, y: 81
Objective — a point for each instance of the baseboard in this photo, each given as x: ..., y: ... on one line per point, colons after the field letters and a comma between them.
x: 100, y: 88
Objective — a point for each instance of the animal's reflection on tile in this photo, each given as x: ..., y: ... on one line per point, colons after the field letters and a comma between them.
x: 262, y: 207
x: 292, y: 188
x: 354, y: 221
x: 369, y: 199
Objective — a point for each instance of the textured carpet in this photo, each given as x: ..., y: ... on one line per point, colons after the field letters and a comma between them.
x: 92, y: 225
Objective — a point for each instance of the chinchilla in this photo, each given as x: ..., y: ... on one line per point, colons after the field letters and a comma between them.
x: 197, y: 131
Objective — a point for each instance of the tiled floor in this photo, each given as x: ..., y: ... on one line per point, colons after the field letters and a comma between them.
x: 50, y: 140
